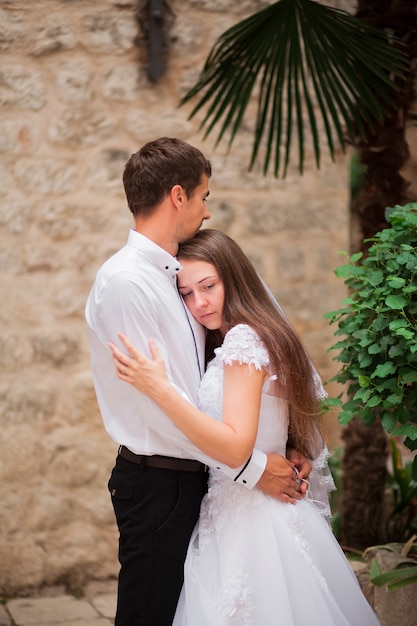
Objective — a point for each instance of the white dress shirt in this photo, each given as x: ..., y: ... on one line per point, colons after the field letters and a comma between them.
x: 135, y: 292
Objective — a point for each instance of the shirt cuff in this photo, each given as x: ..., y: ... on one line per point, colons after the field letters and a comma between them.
x: 249, y: 474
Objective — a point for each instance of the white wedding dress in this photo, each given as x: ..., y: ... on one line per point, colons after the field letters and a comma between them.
x: 255, y: 561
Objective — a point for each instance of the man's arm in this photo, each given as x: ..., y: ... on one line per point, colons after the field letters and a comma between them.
x: 281, y: 481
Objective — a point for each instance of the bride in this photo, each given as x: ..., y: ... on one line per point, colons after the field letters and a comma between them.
x: 252, y: 560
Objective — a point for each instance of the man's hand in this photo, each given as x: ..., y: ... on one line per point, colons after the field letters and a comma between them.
x: 280, y: 480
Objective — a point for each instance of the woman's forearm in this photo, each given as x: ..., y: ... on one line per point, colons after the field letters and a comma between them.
x: 220, y: 440
x: 229, y: 441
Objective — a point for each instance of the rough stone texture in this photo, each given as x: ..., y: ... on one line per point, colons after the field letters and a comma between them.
x: 4, y: 617
x: 397, y: 607
x: 50, y: 610
x: 75, y: 103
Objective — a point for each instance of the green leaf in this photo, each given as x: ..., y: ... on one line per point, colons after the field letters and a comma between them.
x: 409, y: 430
x: 390, y: 384
x: 375, y: 349
x: 396, y: 578
x: 332, y: 402
x: 363, y: 394
x: 396, y: 283
x: 396, y: 302
x: 409, y: 377
x: 347, y: 271
x: 407, y: 334
x: 374, y: 569
x: 355, y: 257
x: 383, y: 369
x: 399, y: 323
x: 393, y: 399
x: 374, y: 401
x: 389, y: 422
x: 363, y: 359
x: 345, y: 417
x: 403, y: 581
x: 380, y: 323
x: 376, y: 277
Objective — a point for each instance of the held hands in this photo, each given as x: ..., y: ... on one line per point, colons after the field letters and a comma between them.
x: 148, y: 376
x: 302, y: 466
x: 285, y: 479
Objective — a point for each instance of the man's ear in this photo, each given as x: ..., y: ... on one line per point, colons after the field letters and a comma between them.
x: 177, y: 194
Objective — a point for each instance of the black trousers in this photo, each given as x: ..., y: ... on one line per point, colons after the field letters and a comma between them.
x: 156, y: 511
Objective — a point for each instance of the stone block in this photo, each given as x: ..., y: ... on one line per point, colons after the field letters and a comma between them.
x: 27, y: 611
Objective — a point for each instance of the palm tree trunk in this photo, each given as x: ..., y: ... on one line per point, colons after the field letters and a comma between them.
x: 363, y: 481
x: 382, y: 157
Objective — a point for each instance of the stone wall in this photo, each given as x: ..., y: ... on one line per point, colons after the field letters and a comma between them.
x: 76, y: 102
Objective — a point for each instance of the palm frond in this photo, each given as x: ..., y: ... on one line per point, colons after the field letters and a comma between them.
x: 308, y: 62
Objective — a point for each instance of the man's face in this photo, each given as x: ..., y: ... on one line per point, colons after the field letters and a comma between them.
x: 194, y: 211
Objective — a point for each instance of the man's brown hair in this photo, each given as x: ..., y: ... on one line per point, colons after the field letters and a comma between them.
x: 150, y: 173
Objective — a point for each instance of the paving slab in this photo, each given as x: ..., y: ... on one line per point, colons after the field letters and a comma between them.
x: 4, y: 617
x: 52, y: 611
x: 105, y: 605
x: 96, y: 621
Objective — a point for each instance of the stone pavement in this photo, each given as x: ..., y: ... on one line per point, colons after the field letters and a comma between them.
x: 94, y: 606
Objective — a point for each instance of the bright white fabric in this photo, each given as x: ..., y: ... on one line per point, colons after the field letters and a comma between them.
x: 254, y: 561
x: 321, y: 483
x: 135, y: 292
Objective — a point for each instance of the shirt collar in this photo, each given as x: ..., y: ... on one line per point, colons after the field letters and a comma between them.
x: 165, y: 261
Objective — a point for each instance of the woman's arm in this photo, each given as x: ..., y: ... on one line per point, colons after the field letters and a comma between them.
x: 230, y: 441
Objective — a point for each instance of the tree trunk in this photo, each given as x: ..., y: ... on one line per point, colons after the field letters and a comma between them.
x: 365, y: 471
x: 382, y: 158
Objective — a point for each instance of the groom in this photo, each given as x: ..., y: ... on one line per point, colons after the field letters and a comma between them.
x: 159, y: 477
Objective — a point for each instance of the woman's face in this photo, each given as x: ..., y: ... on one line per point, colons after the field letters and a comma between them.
x: 203, y: 293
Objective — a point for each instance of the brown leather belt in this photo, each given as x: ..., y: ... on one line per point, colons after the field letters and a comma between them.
x: 162, y: 462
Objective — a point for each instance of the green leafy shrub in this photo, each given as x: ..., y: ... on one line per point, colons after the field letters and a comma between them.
x: 378, y: 326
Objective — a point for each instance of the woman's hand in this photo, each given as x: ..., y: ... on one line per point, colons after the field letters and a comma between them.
x: 302, y: 467
x: 148, y: 376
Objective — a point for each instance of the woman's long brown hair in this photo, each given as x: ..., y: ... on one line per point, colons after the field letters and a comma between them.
x: 246, y: 301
